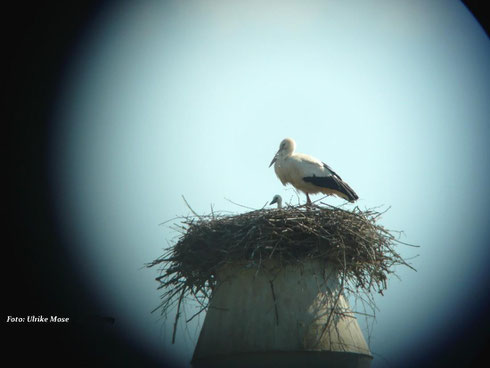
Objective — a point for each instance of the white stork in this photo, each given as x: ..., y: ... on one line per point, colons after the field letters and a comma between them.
x: 277, y: 199
x: 308, y: 174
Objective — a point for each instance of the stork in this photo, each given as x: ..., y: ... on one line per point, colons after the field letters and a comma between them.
x: 308, y: 174
x: 277, y: 199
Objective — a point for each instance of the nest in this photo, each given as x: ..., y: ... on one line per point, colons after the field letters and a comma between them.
x: 352, y: 240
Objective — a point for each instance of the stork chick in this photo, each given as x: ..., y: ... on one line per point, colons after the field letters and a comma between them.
x: 277, y: 199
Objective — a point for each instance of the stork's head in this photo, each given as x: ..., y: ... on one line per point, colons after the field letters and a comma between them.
x: 286, y: 148
x: 277, y: 199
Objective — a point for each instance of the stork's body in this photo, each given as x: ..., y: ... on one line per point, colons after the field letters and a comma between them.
x: 308, y: 174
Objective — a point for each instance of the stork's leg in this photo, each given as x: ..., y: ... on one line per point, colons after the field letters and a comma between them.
x: 308, y: 200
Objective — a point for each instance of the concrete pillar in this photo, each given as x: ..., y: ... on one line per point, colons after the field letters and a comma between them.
x: 276, y: 317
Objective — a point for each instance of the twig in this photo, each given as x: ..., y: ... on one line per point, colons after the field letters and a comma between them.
x: 188, y: 206
x: 240, y: 205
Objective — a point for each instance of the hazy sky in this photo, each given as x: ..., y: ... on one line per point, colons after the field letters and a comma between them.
x: 164, y: 99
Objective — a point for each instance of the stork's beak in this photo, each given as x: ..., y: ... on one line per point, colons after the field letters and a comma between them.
x: 274, y: 200
x: 274, y: 159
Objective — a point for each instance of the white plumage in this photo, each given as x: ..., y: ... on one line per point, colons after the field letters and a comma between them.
x: 308, y: 174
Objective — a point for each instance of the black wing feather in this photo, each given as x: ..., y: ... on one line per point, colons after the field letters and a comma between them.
x: 333, y: 182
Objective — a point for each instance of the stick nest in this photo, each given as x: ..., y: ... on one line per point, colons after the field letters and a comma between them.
x: 352, y: 240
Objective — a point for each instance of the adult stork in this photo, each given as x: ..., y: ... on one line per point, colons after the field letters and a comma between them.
x: 308, y: 174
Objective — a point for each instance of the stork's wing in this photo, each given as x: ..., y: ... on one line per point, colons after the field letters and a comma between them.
x: 330, y: 169
x: 322, y: 175
x: 333, y: 183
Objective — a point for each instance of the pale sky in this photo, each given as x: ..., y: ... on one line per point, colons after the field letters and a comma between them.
x: 164, y: 99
